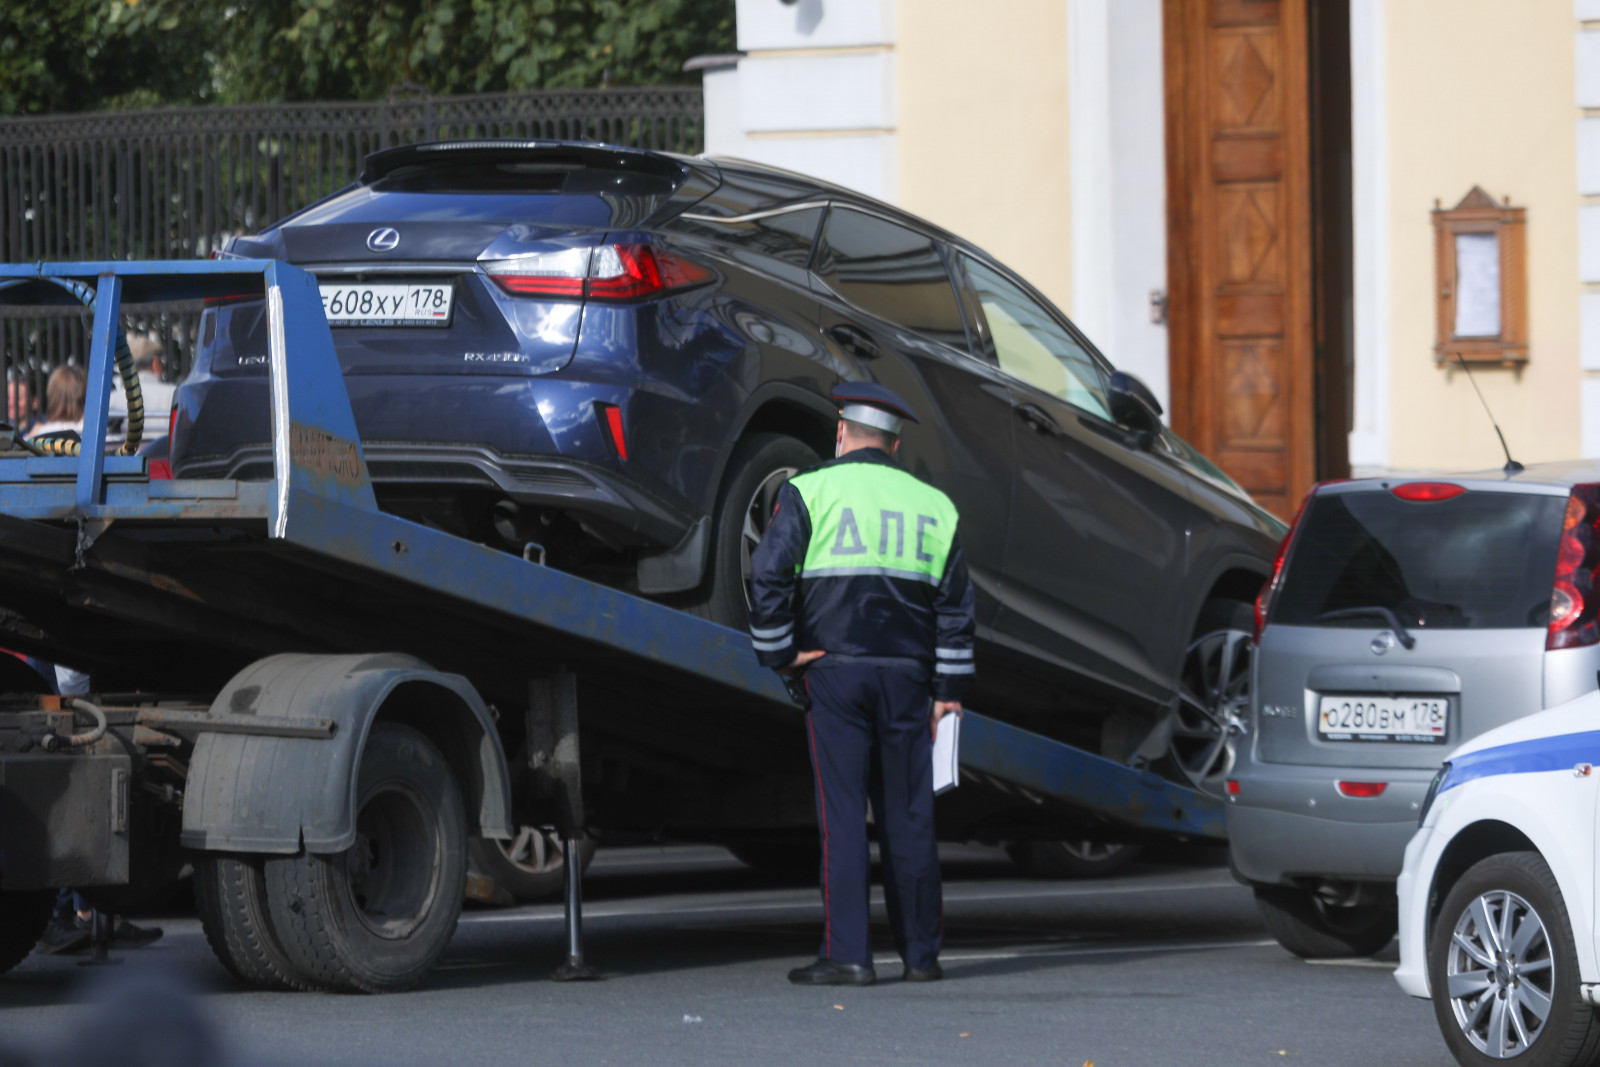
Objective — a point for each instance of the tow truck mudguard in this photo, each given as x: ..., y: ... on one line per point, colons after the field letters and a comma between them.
x: 254, y: 793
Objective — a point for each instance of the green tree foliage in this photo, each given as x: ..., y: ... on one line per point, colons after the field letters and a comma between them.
x: 62, y: 55
x: 75, y: 55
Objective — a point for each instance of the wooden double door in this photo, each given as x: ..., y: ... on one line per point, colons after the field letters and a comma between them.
x: 1258, y: 272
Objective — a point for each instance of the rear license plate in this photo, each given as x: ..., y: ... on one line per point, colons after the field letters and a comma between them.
x: 1379, y: 718
x: 391, y: 304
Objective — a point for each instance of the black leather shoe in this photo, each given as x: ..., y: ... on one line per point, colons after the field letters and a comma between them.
x: 931, y: 973
x: 827, y: 972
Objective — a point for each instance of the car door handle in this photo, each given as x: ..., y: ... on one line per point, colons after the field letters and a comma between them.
x: 854, y: 339
x: 1035, y: 418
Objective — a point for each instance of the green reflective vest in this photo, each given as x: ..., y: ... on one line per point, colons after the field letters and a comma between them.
x: 872, y: 518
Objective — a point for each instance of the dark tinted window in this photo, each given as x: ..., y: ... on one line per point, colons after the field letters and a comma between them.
x: 551, y: 193
x: 892, y: 272
x: 785, y: 234
x: 1478, y: 561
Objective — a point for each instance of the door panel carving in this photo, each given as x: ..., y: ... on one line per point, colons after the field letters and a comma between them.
x: 1239, y: 247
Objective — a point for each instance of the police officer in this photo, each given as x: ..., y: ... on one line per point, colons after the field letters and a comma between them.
x: 860, y: 582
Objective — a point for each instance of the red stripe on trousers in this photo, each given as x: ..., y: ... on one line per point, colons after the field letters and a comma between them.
x: 822, y: 809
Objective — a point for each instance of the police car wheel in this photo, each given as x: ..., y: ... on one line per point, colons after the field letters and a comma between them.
x: 1503, y: 968
x: 758, y: 469
x: 24, y: 914
x: 1072, y: 859
x: 1304, y: 924
x: 376, y: 917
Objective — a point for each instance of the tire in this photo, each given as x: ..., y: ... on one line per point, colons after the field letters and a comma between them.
x: 530, y: 867
x: 759, y: 467
x: 1213, y: 692
x: 1312, y: 930
x: 376, y: 917
x: 782, y: 859
x: 1514, y: 886
x: 230, y: 893
x: 23, y: 916
x: 1072, y: 859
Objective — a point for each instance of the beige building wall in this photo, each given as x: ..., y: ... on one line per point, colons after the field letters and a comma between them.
x: 1483, y: 96
x: 982, y: 130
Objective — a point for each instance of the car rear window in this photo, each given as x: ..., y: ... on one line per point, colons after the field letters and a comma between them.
x: 1482, y: 560
x: 556, y: 194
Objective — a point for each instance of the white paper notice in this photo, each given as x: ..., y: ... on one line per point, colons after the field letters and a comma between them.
x: 1477, y: 285
x: 946, y: 753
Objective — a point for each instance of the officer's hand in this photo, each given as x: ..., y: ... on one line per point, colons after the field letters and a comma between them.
x: 801, y: 661
x: 941, y: 708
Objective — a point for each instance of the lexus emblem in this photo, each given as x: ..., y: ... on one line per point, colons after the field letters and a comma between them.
x: 383, y: 239
x: 1382, y: 643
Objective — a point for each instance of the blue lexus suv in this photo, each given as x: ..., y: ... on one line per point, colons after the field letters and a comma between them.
x: 612, y: 358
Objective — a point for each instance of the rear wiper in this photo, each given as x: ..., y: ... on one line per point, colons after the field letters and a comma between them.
x: 1386, y: 614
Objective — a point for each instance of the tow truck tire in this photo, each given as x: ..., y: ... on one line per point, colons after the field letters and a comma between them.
x: 1312, y: 930
x: 759, y: 467
x: 230, y: 893
x: 1072, y: 859
x: 23, y: 916
x: 376, y: 917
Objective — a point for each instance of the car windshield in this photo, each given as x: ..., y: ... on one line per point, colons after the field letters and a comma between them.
x: 1482, y: 560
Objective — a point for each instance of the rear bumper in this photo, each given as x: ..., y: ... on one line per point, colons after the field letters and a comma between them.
x: 571, y: 485
x: 1294, y: 823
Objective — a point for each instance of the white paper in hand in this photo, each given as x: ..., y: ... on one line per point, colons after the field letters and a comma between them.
x: 946, y: 753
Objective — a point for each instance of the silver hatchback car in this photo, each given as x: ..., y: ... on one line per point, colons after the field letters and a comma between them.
x: 1404, y: 616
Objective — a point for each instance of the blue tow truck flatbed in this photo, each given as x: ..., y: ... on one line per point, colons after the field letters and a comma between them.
x: 208, y: 614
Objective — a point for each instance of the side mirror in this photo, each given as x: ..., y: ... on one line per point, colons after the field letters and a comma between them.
x: 1133, y: 404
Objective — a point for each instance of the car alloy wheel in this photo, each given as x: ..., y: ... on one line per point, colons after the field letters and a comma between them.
x: 757, y: 517
x: 1501, y: 974
x: 535, y: 850
x: 1213, y: 703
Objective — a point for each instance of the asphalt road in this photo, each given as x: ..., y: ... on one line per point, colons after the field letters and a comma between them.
x: 1163, y: 964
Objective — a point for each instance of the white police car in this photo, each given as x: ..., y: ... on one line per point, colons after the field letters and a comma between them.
x: 1497, y: 896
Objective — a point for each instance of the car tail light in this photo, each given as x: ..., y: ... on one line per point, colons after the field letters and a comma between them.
x: 611, y: 420
x: 1428, y: 492
x: 1270, y: 587
x: 1574, y: 605
x: 1362, y: 789
x: 609, y: 272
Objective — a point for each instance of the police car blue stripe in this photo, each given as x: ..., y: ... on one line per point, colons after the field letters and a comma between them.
x: 1559, y: 753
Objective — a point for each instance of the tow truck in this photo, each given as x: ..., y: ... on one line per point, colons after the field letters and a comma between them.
x: 317, y: 705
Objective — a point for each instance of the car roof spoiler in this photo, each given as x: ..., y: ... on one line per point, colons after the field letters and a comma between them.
x: 576, y: 154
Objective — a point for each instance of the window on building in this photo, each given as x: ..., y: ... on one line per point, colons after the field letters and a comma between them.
x: 1030, y: 344
x: 891, y: 272
x: 1482, y: 281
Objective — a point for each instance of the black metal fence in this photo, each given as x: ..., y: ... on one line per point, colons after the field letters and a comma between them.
x: 176, y: 183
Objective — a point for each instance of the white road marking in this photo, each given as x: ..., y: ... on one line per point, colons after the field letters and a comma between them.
x: 554, y: 914
x: 1086, y: 950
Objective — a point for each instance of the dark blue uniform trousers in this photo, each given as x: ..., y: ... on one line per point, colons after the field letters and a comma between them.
x: 869, y: 735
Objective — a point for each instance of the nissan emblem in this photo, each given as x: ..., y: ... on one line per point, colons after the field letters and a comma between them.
x: 383, y: 239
